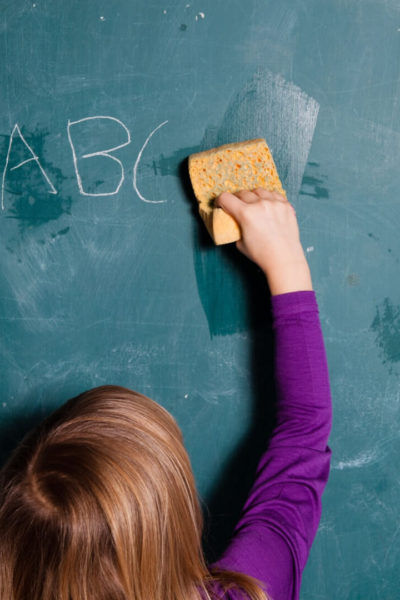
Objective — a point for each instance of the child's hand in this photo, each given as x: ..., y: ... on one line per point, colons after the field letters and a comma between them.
x: 270, y: 237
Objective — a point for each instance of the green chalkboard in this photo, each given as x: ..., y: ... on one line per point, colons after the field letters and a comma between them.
x: 107, y: 275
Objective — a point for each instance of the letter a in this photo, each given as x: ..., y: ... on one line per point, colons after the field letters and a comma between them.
x: 33, y: 157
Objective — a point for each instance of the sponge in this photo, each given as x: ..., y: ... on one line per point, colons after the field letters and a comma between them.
x: 230, y: 168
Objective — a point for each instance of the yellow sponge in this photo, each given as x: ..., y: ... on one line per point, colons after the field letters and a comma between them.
x: 230, y: 168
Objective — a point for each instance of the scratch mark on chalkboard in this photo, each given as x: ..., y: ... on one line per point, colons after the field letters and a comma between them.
x: 386, y: 325
x: 363, y: 459
x: 267, y: 106
x: 392, y: 542
x: 33, y: 201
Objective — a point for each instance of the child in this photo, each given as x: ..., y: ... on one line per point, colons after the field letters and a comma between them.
x: 99, y: 503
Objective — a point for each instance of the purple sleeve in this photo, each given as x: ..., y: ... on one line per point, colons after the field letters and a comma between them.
x: 280, y: 518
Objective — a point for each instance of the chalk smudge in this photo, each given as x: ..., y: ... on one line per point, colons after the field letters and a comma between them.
x: 386, y: 325
x: 269, y: 106
x: 363, y: 459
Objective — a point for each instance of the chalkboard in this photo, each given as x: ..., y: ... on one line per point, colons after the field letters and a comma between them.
x: 107, y: 274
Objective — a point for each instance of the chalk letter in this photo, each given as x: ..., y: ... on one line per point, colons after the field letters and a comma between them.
x: 101, y: 153
x: 24, y: 162
x: 135, y: 168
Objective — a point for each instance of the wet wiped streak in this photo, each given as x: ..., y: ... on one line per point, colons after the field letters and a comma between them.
x: 233, y: 290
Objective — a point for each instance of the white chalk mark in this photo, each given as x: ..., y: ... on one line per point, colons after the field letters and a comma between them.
x: 102, y: 18
x: 202, y: 15
x: 355, y: 463
x: 24, y: 162
x: 164, y: 12
x: 186, y: 395
x: 286, y: 115
x: 310, y: 249
x: 100, y: 153
x: 4, y: 404
x: 197, y: 17
x: 135, y: 168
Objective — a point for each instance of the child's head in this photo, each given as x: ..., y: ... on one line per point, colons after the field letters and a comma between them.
x: 100, y: 502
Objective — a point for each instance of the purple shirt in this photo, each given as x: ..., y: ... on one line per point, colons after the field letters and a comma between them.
x: 280, y: 518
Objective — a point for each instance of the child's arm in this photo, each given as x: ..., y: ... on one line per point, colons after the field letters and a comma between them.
x: 280, y: 518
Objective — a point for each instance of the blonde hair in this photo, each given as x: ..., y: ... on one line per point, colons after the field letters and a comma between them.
x: 99, y: 503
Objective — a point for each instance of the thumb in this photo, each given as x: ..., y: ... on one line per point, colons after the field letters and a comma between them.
x: 230, y: 204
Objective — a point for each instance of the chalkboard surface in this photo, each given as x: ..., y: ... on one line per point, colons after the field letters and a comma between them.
x: 107, y: 274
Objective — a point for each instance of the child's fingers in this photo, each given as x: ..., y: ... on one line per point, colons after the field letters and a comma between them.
x: 267, y: 195
x: 230, y: 203
x: 235, y: 204
x: 273, y: 196
x: 228, y: 200
x: 248, y: 196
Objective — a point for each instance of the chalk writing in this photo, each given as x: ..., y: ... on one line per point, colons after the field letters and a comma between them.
x: 106, y: 153
x: 73, y: 134
x: 33, y: 157
x: 135, y: 168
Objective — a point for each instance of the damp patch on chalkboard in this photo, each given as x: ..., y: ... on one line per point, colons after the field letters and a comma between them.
x: 31, y: 184
x: 314, y: 184
x: 386, y: 326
